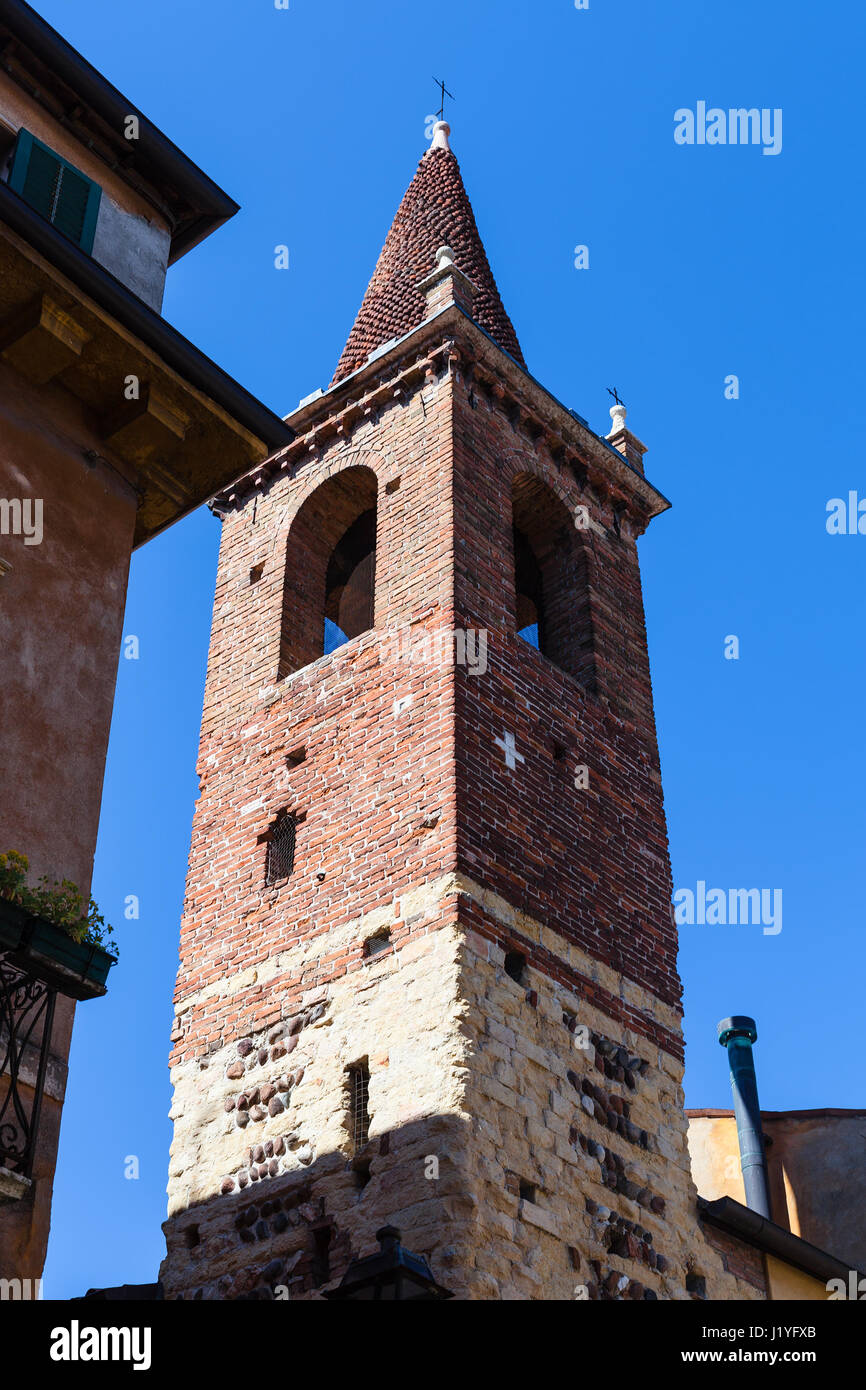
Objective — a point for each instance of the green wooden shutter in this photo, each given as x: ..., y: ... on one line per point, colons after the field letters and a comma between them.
x: 39, y: 176
x: 70, y: 210
x: 56, y: 189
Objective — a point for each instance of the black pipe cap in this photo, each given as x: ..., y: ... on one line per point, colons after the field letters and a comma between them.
x: 739, y: 1026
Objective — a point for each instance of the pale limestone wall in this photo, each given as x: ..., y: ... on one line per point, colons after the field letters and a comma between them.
x: 465, y: 1071
x: 530, y: 1115
x: 402, y: 1011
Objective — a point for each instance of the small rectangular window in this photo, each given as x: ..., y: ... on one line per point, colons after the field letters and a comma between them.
x: 515, y: 966
x: 280, y: 859
x: 376, y: 945
x: 359, y: 1114
x: 55, y: 188
x: 321, y: 1265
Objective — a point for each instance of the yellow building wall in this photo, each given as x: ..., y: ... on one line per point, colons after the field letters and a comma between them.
x: 817, y: 1182
x: 785, y: 1282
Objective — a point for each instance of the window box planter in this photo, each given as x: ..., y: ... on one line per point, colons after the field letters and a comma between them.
x: 13, y: 920
x: 78, y: 969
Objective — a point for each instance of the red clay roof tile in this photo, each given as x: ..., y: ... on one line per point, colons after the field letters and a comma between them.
x: 434, y: 212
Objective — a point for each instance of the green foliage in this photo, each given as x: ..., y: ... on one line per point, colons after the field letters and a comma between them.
x: 60, y: 903
x: 13, y: 874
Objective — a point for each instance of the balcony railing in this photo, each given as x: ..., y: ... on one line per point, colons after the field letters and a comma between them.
x: 26, y: 1018
x: 38, y: 961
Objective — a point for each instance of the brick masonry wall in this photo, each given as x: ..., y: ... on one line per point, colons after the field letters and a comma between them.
x: 741, y: 1260
x: 592, y: 861
x: 410, y: 824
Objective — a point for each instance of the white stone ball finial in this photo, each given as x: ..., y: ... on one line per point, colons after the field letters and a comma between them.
x: 444, y: 256
x: 617, y: 415
x: 441, y: 131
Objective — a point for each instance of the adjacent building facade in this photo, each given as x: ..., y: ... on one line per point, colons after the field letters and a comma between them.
x: 817, y: 1188
x: 112, y: 426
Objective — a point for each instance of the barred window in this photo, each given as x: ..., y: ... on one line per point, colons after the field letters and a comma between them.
x: 359, y: 1114
x: 280, y: 859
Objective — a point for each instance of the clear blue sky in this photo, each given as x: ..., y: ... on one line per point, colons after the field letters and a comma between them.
x: 704, y: 262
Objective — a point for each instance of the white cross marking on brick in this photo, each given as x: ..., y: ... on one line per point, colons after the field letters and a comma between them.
x: 512, y: 757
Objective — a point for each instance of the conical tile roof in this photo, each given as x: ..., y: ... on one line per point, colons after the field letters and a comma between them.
x: 435, y: 212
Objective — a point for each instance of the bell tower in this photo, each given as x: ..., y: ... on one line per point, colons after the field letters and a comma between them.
x: 428, y: 965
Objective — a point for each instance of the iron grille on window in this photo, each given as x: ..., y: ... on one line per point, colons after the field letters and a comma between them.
x: 281, y: 849
x: 359, y: 1115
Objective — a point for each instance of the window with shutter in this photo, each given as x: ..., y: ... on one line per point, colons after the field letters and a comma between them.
x: 56, y: 189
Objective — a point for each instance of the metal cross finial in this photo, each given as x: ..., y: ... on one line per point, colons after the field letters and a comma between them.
x: 444, y: 92
x: 611, y: 391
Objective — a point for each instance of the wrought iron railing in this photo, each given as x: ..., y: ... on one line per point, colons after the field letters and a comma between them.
x: 26, y: 1018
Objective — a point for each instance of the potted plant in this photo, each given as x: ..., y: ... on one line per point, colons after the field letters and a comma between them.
x: 13, y: 917
x: 49, y: 931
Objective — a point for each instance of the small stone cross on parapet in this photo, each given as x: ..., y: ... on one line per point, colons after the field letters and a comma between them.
x: 512, y: 757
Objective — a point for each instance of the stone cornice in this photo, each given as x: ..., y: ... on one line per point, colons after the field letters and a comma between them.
x: 449, y: 341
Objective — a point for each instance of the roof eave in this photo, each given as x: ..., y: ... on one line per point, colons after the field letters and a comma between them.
x: 157, y: 158
x: 135, y: 317
x: 735, y: 1219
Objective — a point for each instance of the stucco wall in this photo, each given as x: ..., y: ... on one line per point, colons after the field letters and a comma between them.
x: 789, y: 1284
x: 134, y: 250
x: 61, y: 612
x: 817, y: 1175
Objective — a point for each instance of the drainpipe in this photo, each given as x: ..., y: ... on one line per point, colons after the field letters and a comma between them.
x: 737, y: 1035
